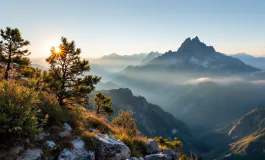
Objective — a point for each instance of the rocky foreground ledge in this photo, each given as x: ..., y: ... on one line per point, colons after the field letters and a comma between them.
x: 106, y: 148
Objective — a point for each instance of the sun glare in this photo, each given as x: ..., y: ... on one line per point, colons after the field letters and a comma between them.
x: 57, y: 49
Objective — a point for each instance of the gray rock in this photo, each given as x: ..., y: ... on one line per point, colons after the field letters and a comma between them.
x: 170, y: 153
x: 67, y: 131
x: 77, y: 153
x: 17, y: 149
x: 67, y: 127
x: 158, y: 156
x: 41, y: 136
x: 134, y: 158
x: 110, y: 148
x: 152, y: 147
x: 31, y: 154
x: 50, y: 144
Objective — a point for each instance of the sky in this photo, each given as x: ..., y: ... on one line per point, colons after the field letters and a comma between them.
x: 101, y: 27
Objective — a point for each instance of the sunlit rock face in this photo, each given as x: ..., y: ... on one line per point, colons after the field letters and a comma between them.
x: 108, y: 147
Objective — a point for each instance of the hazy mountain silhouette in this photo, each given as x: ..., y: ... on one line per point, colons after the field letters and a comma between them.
x: 258, y: 62
x: 152, y: 55
x: 194, y: 55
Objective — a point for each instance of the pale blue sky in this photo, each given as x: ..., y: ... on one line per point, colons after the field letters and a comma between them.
x: 102, y: 27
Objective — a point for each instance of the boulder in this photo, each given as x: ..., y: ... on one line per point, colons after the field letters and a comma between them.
x: 67, y: 127
x: 157, y: 156
x: 170, y: 153
x: 134, y: 158
x: 152, y: 147
x: 50, y: 144
x: 31, y: 154
x: 110, y: 148
x: 17, y: 149
x: 67, y: 130
x: 78, y: 152
x: 41, y: 136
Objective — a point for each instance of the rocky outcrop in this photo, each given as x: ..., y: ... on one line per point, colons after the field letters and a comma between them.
x: 152, y: 146
x: 67, y: 130
x: 134, y: 158
x: 77, y: 153
x: 50, y: 144
x: 31, y: 154
x: 105, y: 147
x: 157, y: 156
x: 154, y: 153
x: 170, y: 153
x: 110, y: 148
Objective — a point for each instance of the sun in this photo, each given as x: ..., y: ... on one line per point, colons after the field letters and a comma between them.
x: 57, y: 49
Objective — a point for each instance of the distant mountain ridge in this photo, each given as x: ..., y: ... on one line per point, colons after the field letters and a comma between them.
x: 115, y: 56
x: 258, y: 62
x: 152, y: 55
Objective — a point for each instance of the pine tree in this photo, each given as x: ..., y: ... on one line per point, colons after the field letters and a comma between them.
x: 66, y: 77
x: 12, y: 52
x: 103, y: 104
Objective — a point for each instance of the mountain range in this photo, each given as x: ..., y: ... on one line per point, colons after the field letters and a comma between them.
x: 257, y: 62
x: 193, y: 59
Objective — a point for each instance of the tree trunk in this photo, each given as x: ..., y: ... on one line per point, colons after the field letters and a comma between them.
x: 7, y: 70
x: 8, y: 67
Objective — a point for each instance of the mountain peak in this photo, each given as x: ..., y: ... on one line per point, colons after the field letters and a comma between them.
x: 195, y: 45
x: 196, y: 39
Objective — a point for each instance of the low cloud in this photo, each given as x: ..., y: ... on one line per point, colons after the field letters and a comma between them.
x: 221, y: 81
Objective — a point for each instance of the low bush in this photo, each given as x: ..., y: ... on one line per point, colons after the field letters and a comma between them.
x: 126, y: 122
x: 19, y: 111
x: 165, y: 143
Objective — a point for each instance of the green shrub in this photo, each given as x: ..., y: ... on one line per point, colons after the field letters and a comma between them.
x: 48, y: 104
x: 19, y: 113
x: 125, y: 120
x: 165, y: 143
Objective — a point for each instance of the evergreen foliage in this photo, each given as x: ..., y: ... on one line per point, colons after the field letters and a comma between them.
x: 66, y: 78
x: 103, y: 104
x: 12, y: 52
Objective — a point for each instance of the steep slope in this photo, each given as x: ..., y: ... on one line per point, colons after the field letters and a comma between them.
x: 243, y: 139
x: 152, y: 120
x: 249, y: 123
x: 249, y: 132
x: 257, y: 62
